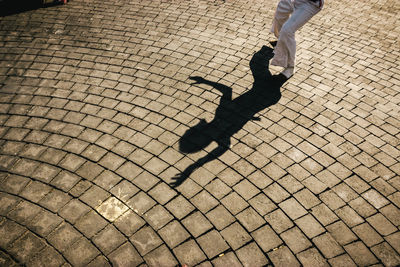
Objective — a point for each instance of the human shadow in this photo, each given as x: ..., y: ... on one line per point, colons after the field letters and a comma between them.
x: 231, y: 114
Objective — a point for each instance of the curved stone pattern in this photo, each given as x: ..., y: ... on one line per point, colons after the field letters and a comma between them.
x: 102, y: 163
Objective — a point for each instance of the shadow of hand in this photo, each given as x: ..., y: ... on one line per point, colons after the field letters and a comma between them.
x: 178, y: 179
x: 197, y: 79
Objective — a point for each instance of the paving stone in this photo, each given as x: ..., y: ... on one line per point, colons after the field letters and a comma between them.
x: 296, y: 240
x: 250, y: 219
x: 107, y: 180
x: 189, y: 253
x: 229, y: 176
x: 218, y: 188
x: 81, y: 252
x: 386, y: 254
x: 292, y: 208
x: 376, y: 199
x: 235, y: 235
x: 204, y: 201
x: 357, y: 184
x: 99, y: 261
x: 315, y: 185
x: 24, y: 212
x: 349, y: 216
x: 108, y: 239
x: 196, y: 224
x: 63, y: 236
x: 145, y: 180
x: 8, y: 202
x: 342, y: 234
x: 278, y: 221
x: 392, y: 213
x: 48, y: 256
x: 395, y: 199
x: 362, y: 207
x: 10, y: 231
x: 112, y: 208
x: 259, y: 179
x: 145, y: 240
x: 307, y: 198
x: 162, y: 193
x: 251, y: 254
x: 262, y: 204
x: 383, y: 187
x: 234, y: 203
x: 246, y: 189
x: 283, y: 257
x: 381, y: 224
x: 173, y: 234
x: 220, y: 217
x: 179, y: 207
x: 310, y: 226
x: 157, y: 217
x: 212, y: 244
x: 26, y: 246
x: 189, y: 188
x: 360, y: 254
x: 276, y: 193
x: 90, y: 224
x: 345, y: 192
x: 129, y: 222
x: 65, y: 181
x: 393, y: 240
x: 14, y: 183
x: 94, y: 196
x: 312, y: 257
x: 141, y: 203
x: 298, y: 172
x: 94, y: 152
x: 35, y: 191
x: 367, y: 234
x: 266, y: 238
x: 55, y: 200
x: 160, y: 257
x: 125, y: 255
x: 342, y: 260
x: 290, y: 184
x: 228, y: 259
x: 155, y: 165
x: 89, y: 170
x: 323, y: 214
x: 327, y: 245
x: 45, y: 222
x: 124, y: 190
x: 202, y: 176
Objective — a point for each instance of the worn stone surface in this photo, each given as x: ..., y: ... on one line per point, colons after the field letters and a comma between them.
x: 105, y: 151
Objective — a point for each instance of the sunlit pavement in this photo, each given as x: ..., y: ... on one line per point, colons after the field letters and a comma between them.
x: 95, y: 107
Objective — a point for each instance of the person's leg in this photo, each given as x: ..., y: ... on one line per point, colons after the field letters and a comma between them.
x: 285, y: 50
x: 282, y: 13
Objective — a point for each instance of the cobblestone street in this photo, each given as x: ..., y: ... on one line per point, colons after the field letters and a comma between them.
x: 152, y: 133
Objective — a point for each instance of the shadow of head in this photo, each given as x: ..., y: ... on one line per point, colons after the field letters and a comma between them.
x: 196, y: 138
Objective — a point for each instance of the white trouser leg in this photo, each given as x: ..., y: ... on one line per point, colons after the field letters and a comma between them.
x: 285, y: 26
x: 282, y: 14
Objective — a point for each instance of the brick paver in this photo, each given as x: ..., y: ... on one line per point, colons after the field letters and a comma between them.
x: 111, y: 155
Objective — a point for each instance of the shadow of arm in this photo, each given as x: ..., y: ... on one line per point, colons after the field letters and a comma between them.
x: 217, y: 152
x: 225, y: 90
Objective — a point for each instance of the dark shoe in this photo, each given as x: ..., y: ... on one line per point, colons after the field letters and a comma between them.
x: 273, y: 43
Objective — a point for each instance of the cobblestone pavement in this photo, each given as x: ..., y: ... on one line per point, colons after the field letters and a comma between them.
x: 98, y: 120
